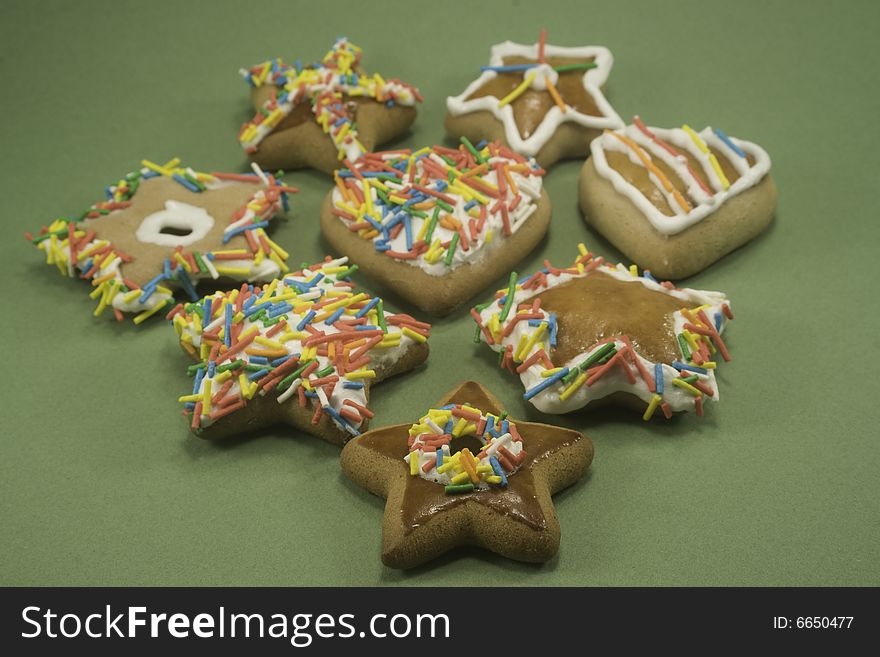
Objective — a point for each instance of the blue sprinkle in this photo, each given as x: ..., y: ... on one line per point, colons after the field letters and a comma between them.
x: 496, y: 467
x: 504, y: 427
x: 166, y: 269
x: 306, y: 320
x: 389, y: 103
x: 280, y: 309
x: 186, y: 183
x: 336, y: 315
x: 647, y: 274
x: 438, y: 458
x: 353, y: 385
x: 727, y: 140
x: 449, y: 424
x: 285, y: 201
x: 447, y: 407
x: 382, y: 245
x: 187, y: 285
x: 677, y: 364
x: 315, y: 280
x: 546, y: 383
x: 407, y: 230
x: 237, y: 231
x: 510, y: 68
x: 718, y: 322
x: 212, y: 366
x: 279, y: 361
x: 149, y: 173
x: 341, y: 421
x: 253, y: 376
x: 200, y: 374
x: 658, y: 378
x: 366, y: 327
x: 363, y: 311
x: 553, y: 328
x: 480, y: 146
x: 258, y: 360
x: 470, y: 204
x: 189, y: 406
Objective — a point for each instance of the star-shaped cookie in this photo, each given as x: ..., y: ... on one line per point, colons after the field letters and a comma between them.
x: 166, y: 226
x: 302, y: 350
x: 437, y: 224
x: 323, y: 114
x: 544, y: 101
x: 583, y: 333
x: 466, y: 474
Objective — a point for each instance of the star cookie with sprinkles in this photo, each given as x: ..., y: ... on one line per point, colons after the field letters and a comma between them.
x: 543, y: 101
x: 325, y: 113
x: 594, y: 331
x: 168, y: 226
x: 436, y: 225
x: 302, y: 350
x: 467, y: 474
x: 676, y: 201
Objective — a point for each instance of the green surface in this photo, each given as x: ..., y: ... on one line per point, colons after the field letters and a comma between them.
x: 103, y: 484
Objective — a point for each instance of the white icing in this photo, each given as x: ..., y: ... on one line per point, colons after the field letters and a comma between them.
x: 614, y: 380
x: 488, y: 240
x: 543, y: 73
x: 178, y: 215
x: 678, y: 138
x: 593, y: 80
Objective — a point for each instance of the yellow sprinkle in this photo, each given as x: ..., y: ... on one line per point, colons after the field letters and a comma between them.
x: 532, y: 341
x: 413, y: 463
x: 128, y: 297
x: 548, y: 373
x: 155, y: 167
x: 633, y: 270
x: 489, y: 235
x: 361, y: 374
x: 516, y: 93
x: 493, y: 479
x: 570, y: 390
x: 183, y: 262
x: 652, y: 406
x: 189, y: 398
x: 709, y: 364
x: 232, y: 271
x: 582, y: 249
x: 244, y: 385
x: 268, y: 342
x: 223, y: 376
x: 278, y: 261
x: 418, y: 337
x: 460, y: 478
x: 148, y: 313
x: 701, y: 146
x: 684, y: 385
x: 206, y: 398
x: 484, y: 469
x: 450, y: 463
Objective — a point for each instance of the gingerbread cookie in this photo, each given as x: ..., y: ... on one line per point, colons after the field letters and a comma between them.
x: 544, y: 101
x: 592, y: 330
x: 302, y: 350
x: 436, y: 225
x: 169, y: 226
x: 466, y: 474
x: 323, y: 114
x: 675, y: 201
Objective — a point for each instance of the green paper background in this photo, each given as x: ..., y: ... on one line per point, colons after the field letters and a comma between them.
x: 103, y: 485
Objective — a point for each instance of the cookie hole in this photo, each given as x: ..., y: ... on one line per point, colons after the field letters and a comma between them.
x: 471, y: 442
x: 174, y: 230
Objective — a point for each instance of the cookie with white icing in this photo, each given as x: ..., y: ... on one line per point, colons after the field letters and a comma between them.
x: 593, y: 331
x: 302, y: 350
x: 675, y: 201
x: 322, y: 114
x: 438, y: 224
x: 467, y: 474
x: 167, y: 226
x: 543, y: 101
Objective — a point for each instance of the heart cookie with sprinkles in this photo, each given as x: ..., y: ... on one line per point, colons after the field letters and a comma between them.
x: 168, y: 226
x: 323, y: 114
x: 593, y: 331
x: 543, y: 101
x: 675, y: 201
x: 302, y: 350
x: 436, y: 225
x: 466, y: 474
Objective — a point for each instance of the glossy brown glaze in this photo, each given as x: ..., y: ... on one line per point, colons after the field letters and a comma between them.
x: 531, y: 107
x: 599, y: 306
x: 638, y: 175
x: 423, y: 500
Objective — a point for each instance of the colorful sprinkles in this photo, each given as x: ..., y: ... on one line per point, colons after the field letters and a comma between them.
x: 524, y: 335
x: 307, y: 335
x: 326, y: 86
x: 436, y: 208
x: 435, y: 455
x: 75, y: 247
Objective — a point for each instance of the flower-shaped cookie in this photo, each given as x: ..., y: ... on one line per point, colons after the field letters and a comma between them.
x: 436, y: 225
x: 302, y: 350
x: 167, y: 226
x: 585, y: 332
x: 466, y: 474
x: 323, y: 114
x: 544, y: 101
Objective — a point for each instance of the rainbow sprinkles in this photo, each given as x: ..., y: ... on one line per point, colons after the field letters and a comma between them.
x: 75, y: 246
x: 524, y: 334
x: 306, y: 337
x: 706, y: 185
x: 324, y: 86
x: 497, y: 442
x: 437, y: 208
